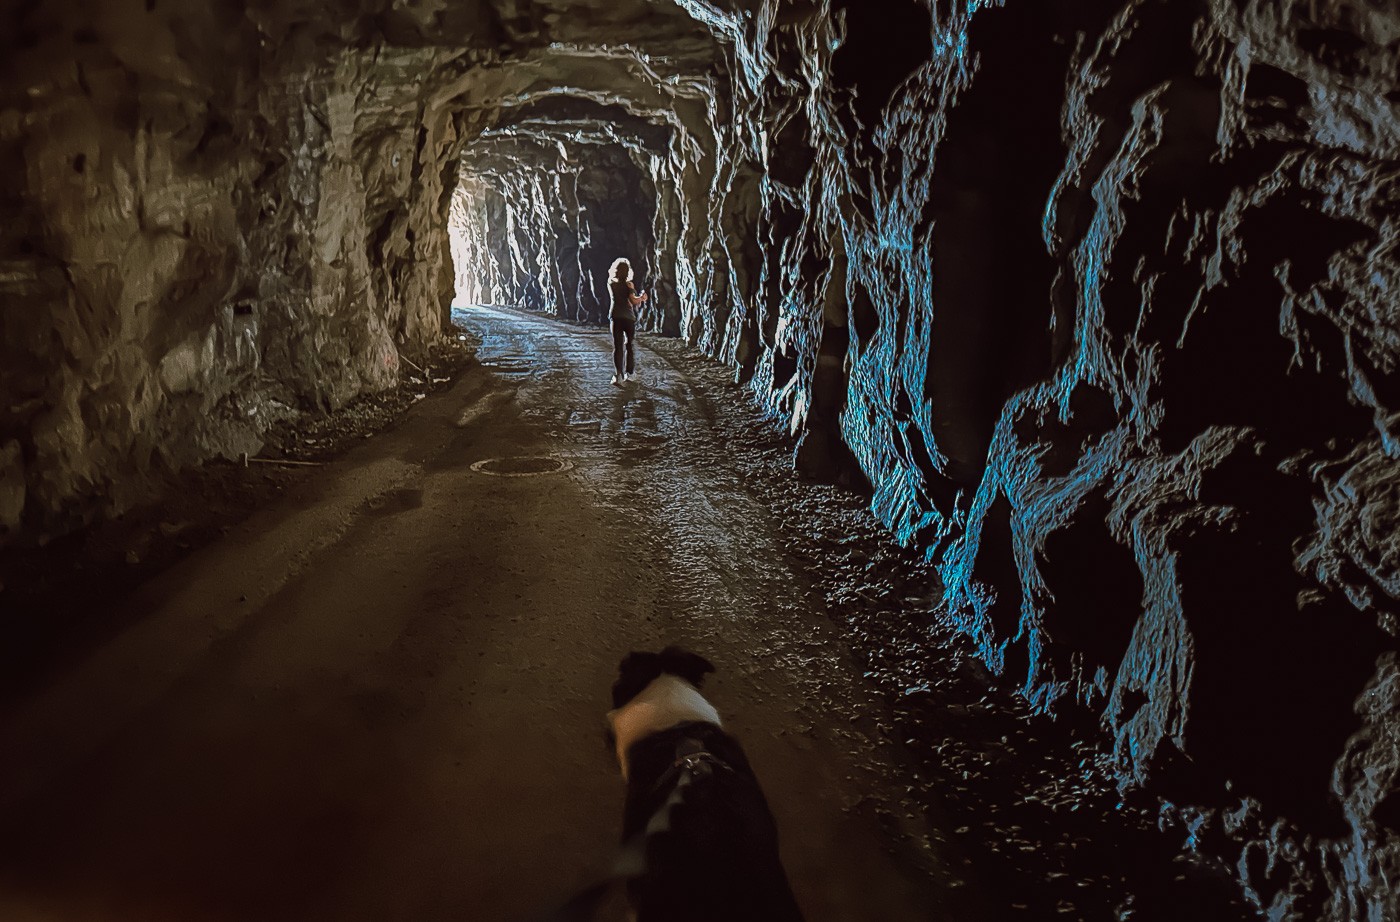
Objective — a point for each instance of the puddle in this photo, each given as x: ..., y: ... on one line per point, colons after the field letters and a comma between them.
x: 522, y: 467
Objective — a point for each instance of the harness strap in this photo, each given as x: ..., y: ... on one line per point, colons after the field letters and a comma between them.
x: 693, y: 761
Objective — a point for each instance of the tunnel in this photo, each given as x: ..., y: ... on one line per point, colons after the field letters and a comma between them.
x: 1047, y: 556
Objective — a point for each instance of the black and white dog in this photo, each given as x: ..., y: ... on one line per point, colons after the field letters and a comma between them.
x: 699, y: 842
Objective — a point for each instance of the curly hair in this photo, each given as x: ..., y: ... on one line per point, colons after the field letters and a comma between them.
x: 621, y: 271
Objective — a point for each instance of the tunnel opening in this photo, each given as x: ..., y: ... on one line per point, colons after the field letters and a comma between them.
x: 468, y: 234
x: 538, y: 225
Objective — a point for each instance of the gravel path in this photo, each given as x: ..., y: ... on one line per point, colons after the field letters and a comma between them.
x: 381, y: 696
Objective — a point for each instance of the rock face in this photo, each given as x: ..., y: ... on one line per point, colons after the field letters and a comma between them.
x: 1098, y: 296
x: 570, y: 220
x: 212, y: 221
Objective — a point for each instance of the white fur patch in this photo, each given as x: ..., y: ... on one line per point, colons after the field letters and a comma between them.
x: 669, y: 700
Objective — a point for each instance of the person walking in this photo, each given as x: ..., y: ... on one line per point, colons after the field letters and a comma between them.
x: 623, y: 318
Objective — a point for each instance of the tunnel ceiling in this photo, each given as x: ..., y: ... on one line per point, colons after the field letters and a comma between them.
x: 1097, y: 298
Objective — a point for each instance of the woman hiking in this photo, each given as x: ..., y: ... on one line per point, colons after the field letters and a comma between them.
x: 623, y: 317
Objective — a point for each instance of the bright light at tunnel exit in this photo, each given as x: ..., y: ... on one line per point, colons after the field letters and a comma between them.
x: 467, y: 229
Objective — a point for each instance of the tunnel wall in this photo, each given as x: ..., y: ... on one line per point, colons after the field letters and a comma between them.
x: 1097, y: 296
x: 1101, y: 299
x: 210, y: 224
x: 540, y: 224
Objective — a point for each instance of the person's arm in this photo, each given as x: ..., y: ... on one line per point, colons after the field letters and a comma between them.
x: 633, y: 298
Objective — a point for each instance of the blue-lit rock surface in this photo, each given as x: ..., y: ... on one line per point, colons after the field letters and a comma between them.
x: 1115, y: 300
x: 1098, y: 296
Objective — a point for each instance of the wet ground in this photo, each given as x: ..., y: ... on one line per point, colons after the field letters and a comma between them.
x: 381, y: 696
x: 51, y: 588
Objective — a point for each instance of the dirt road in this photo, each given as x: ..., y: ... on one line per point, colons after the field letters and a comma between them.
x: 382, y: 697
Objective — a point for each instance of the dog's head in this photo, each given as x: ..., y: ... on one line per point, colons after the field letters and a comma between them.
x: 655, y: 691
x: 638, y: 670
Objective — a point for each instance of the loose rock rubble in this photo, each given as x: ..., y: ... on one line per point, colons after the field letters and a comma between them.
x: 319, y: 438
x: 1033, y: 800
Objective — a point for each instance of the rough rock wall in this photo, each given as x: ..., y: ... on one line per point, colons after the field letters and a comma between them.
x: 538, y: 223
x: 214, y: 218
x: 1101, y: 296
x: 577, y: 154
x: 1097, y: 295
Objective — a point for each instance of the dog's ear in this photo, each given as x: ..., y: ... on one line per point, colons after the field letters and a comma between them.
x: 635, y: 673
x: 689, y: 666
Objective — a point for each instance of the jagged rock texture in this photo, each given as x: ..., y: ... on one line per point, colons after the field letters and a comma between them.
x: 213, y: 221
x: 1098, y: 296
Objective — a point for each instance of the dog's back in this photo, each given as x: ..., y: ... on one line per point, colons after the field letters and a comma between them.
x: 705, y: 841
x: 717, y: 856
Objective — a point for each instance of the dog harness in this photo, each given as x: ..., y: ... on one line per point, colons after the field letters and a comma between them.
x: 693, y: 761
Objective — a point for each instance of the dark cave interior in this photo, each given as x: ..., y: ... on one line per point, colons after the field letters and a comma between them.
x: 1095, y: 300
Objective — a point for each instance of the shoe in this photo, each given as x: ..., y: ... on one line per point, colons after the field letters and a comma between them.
x: 616, y: 380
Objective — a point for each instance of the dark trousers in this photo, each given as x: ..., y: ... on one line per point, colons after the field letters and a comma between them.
x: 624, y: 329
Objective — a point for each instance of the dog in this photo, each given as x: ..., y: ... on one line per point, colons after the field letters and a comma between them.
x: 699, y: 841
